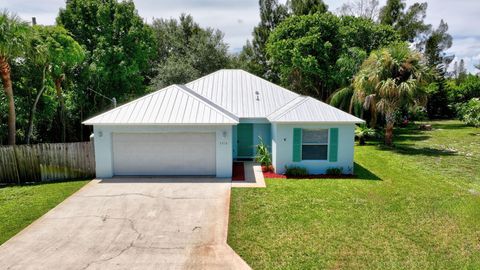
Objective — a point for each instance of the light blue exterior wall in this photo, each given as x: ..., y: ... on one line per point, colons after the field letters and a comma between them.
x: 104, y: 151
x: 282, y: 148
x: 261, y: 127
x: 279, y: 137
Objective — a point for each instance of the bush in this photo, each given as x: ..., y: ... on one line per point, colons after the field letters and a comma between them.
x: 362, y: 132
x: 469, y: 112
x: 296, y: 171
x: 334, y: 171
x: 263, y: 155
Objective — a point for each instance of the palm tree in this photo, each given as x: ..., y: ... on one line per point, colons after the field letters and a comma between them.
x: 391, y: 78
x: 343, y: 99
x: 13, y: 34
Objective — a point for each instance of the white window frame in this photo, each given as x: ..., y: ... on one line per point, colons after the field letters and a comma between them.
x: 327, y: 144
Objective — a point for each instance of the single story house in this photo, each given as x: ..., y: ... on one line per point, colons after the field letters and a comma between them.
x: 200, y: 128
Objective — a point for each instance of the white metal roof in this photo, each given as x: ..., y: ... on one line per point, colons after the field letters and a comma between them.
x: 172, y: 105
x: 222, y: 98
x: 306, y: 109
x: 235, y: 90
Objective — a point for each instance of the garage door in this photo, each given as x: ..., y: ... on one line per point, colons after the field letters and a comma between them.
x: 164, y: 154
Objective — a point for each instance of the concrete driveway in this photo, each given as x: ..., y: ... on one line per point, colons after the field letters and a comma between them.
x: 131, y: 223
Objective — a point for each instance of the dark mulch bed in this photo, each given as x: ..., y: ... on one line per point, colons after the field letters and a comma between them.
x: 238, y: 172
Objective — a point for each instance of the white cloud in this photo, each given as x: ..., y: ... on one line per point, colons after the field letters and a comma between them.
x: 467, y: 49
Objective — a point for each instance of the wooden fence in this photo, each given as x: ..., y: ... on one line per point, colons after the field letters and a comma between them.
x: 43, y: 162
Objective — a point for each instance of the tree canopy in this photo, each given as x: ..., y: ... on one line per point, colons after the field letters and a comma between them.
x: 186, y: 51
x: 120, y: 46
x: 311, y: 52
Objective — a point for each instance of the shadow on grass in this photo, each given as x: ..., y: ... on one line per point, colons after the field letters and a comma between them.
x: 408, y: 137
x: 363, y: 173
x: 449, y: 126
x: 408, y: 149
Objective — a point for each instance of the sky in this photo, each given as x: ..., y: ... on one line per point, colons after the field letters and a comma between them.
x: 236, y: 18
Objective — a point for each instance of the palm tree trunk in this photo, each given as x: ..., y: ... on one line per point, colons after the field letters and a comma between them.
x: 7, y: 86
x: 58, y: 87
x: 34, y: 108
x: 390, y: 121
x: 361, y: 140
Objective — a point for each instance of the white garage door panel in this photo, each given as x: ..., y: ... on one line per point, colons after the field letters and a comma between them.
x: 164, y: 154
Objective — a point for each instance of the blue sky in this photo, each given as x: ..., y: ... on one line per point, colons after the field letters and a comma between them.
x: 236, y: 18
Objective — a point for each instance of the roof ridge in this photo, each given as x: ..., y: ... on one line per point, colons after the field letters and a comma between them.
x: 244, y: 71
x: 289, y: 106
x: 269, y: 82
x: 205, y: 76
x: 208, y: 101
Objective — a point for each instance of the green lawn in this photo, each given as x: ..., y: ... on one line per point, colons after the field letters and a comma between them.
x: 21, y: 205
x: 416, y: 206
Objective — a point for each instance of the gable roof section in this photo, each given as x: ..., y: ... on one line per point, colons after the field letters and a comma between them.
x: 175, y: 104
x: 309, y: 110
x: 235, y: 90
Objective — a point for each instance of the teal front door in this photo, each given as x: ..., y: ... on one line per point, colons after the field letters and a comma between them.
x: 245, y: 140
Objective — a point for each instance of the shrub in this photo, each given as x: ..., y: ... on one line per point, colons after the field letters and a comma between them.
x: 469, y: 112
x: 296, y: 171
x: 263, y: 155
x: 362, y: 132
x: 334, y: 171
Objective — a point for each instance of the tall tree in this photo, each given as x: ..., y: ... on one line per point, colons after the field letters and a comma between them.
x: 120, y: 49
x: 392, y: 12
x: 434, y: 49
x: 59, y: 53
x: 462, y: 71
x: 13, y: 36
x: 306, y: 7
x: 368, y: 9
x: 311, y: 53
x: 304, y: 49
x: 434, y: 46
x: 455, y: 70
x: 186, y: 51
x: 271, y: 14
x: 408, y: 22
x: 392, y: 77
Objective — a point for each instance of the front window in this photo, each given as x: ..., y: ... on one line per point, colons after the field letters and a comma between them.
x: 315, y: 144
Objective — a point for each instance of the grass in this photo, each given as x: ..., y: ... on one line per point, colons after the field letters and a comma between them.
x: 21, y: 205
x: 414, y: 206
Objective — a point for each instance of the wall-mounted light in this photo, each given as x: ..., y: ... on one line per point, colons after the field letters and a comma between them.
x: 224, y: 134
x: 100, y: 134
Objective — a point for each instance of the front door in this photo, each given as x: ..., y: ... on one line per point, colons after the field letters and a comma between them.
x: 245, y: 140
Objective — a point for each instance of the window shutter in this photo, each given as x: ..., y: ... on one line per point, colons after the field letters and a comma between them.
x: 297, y: 144
x: 333, y: 152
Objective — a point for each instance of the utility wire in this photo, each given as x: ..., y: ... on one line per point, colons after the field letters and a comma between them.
x: 113, y: 100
